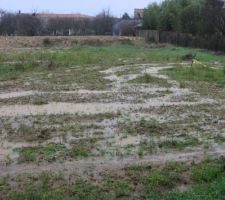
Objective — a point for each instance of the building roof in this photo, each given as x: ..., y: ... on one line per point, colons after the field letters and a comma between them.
x: 57, y: 15
x: 138, y: 13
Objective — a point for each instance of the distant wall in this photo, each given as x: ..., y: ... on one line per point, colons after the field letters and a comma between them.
x: 216, y: 42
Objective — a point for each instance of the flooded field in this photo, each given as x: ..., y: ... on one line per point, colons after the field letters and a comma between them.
x: 118, y: 126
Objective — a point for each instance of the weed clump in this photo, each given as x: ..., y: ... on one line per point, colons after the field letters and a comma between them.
x: 82, y: 149
x: 189, y: 56
x: 47, y: 42
x: 144, y: 127
x: 148, y: 79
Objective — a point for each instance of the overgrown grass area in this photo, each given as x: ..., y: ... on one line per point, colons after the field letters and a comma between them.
x: 148, y: 79
x: 205, y: 179
x: 14, y: 64
x: 198, y: 73
x: 208, y: 181
x: 152, y: 127
x: 144, y: 127
x: 179, y: 144
x: 52, y: 152
x: 56, y: 187
x: 150, y: 146
x: 39, y: 153
x: 30, y: 134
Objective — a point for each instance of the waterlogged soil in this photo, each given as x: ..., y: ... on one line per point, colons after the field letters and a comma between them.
x: 80, y: 130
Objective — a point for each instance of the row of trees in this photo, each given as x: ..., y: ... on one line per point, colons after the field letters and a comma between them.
x: 20, y: 24
x: 33, y: 24
x: 199, y: 17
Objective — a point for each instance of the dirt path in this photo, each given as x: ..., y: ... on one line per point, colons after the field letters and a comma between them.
x: 88, y: 108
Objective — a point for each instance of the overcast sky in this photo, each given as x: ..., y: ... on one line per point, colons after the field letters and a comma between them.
x: 90, y: 7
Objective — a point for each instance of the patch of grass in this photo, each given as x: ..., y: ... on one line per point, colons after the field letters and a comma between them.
x: 197, y: 73
x: 150, y: 146
x: 219, y: 138
x: 179, y: 144
x: 152, y: 178
x: 210, y: 183
x: 177, y: 167
x: 206, y: 89
x: 208, y: 177
x: 156, y: 179
x: 159, y: 181
x: 25, y: 129
x: 50, y: 187
x: 13, y: 71
x: 82, y: 148
x: 141, y: 150
x: 39, y: 153
x: 207, y: 171
x: 146, y: 146
x: 148, y: 79
x: 30, y: 133
x: 39, y: 101
x: 84, y: 190
x: 51, y: 152
x: 26, y: 154
x: 117, y: 186
x: 3, y: 185
x: 144, y: 127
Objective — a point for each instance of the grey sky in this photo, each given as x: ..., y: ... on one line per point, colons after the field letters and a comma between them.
x: 91, y: 7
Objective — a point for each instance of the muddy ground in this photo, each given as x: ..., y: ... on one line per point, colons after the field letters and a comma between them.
x: 141, y: 116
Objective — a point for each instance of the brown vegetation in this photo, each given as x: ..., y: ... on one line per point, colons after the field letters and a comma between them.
x: 40, y: 41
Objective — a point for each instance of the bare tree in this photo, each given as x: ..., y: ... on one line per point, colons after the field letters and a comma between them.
x: 8, y: 23
x: 33, y: 24
x: 27, y: 24
x: 70, y: 26
x: 104, y: 22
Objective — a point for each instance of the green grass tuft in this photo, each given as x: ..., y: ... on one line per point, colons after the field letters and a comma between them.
x: 197, y: 74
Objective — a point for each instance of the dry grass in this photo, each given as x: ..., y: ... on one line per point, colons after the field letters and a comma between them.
x: 64, y: 41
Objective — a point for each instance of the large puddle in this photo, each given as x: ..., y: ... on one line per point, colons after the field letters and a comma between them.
x: 88, y: 108
x: 17, y: 94
x: 60, y: 108
x: 32, y: 93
